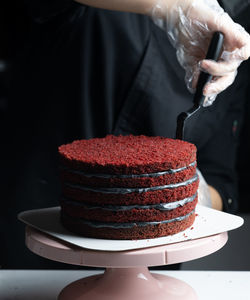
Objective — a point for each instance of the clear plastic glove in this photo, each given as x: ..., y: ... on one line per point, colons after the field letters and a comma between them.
x: 190, y: 25
x: 204, y: 196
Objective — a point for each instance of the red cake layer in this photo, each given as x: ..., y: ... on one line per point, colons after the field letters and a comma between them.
x: 127, y: 154
x: 133, y: 215
x: 134, y: 233
x: 67, y: 176
x: 144, y: 198
x: 98, y: 172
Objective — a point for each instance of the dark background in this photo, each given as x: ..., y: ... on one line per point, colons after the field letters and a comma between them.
x: 15, y: 27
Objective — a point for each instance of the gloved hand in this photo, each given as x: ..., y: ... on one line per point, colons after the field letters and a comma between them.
x: 190, y: 25
x: 204, y: 197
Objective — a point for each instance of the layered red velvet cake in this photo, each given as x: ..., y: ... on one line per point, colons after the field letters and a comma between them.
x: 128, y: 187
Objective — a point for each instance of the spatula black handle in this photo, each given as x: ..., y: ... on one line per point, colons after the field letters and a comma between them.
x: 213, y: 53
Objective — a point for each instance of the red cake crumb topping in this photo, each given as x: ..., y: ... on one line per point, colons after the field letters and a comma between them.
x: 125, y: 154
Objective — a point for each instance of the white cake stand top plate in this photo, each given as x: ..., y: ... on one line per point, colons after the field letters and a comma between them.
x: 208, y: 222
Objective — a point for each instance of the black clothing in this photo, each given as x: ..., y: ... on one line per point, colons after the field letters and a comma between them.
x: 243, y: 162
x: 86, y: 72
x: 239, y: 10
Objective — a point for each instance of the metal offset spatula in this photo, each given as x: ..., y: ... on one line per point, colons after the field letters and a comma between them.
x: 213, y: 53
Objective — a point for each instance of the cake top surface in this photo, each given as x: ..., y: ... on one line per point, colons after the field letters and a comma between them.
x: 124, y: 152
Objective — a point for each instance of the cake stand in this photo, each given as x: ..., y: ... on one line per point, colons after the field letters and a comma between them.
x: 127, y: 276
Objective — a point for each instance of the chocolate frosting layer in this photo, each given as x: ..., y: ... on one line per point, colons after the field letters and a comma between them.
x: 156, y: 174
x: 96, y: 224
x: 117, y: 190
x: 160, y: 206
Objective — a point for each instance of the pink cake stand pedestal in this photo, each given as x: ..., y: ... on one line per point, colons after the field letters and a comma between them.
x: 127, y: 276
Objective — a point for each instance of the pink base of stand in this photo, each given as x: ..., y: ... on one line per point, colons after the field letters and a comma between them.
x: 126, y: 276
x: 128, y: 284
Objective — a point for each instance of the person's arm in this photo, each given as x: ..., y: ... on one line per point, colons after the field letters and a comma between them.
x: 216, y: 200
x: 134, y: 6
x: 190, y: 25
x: 207, y: 194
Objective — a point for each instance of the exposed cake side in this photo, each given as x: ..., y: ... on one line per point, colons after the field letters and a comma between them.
x: 128, y: 187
